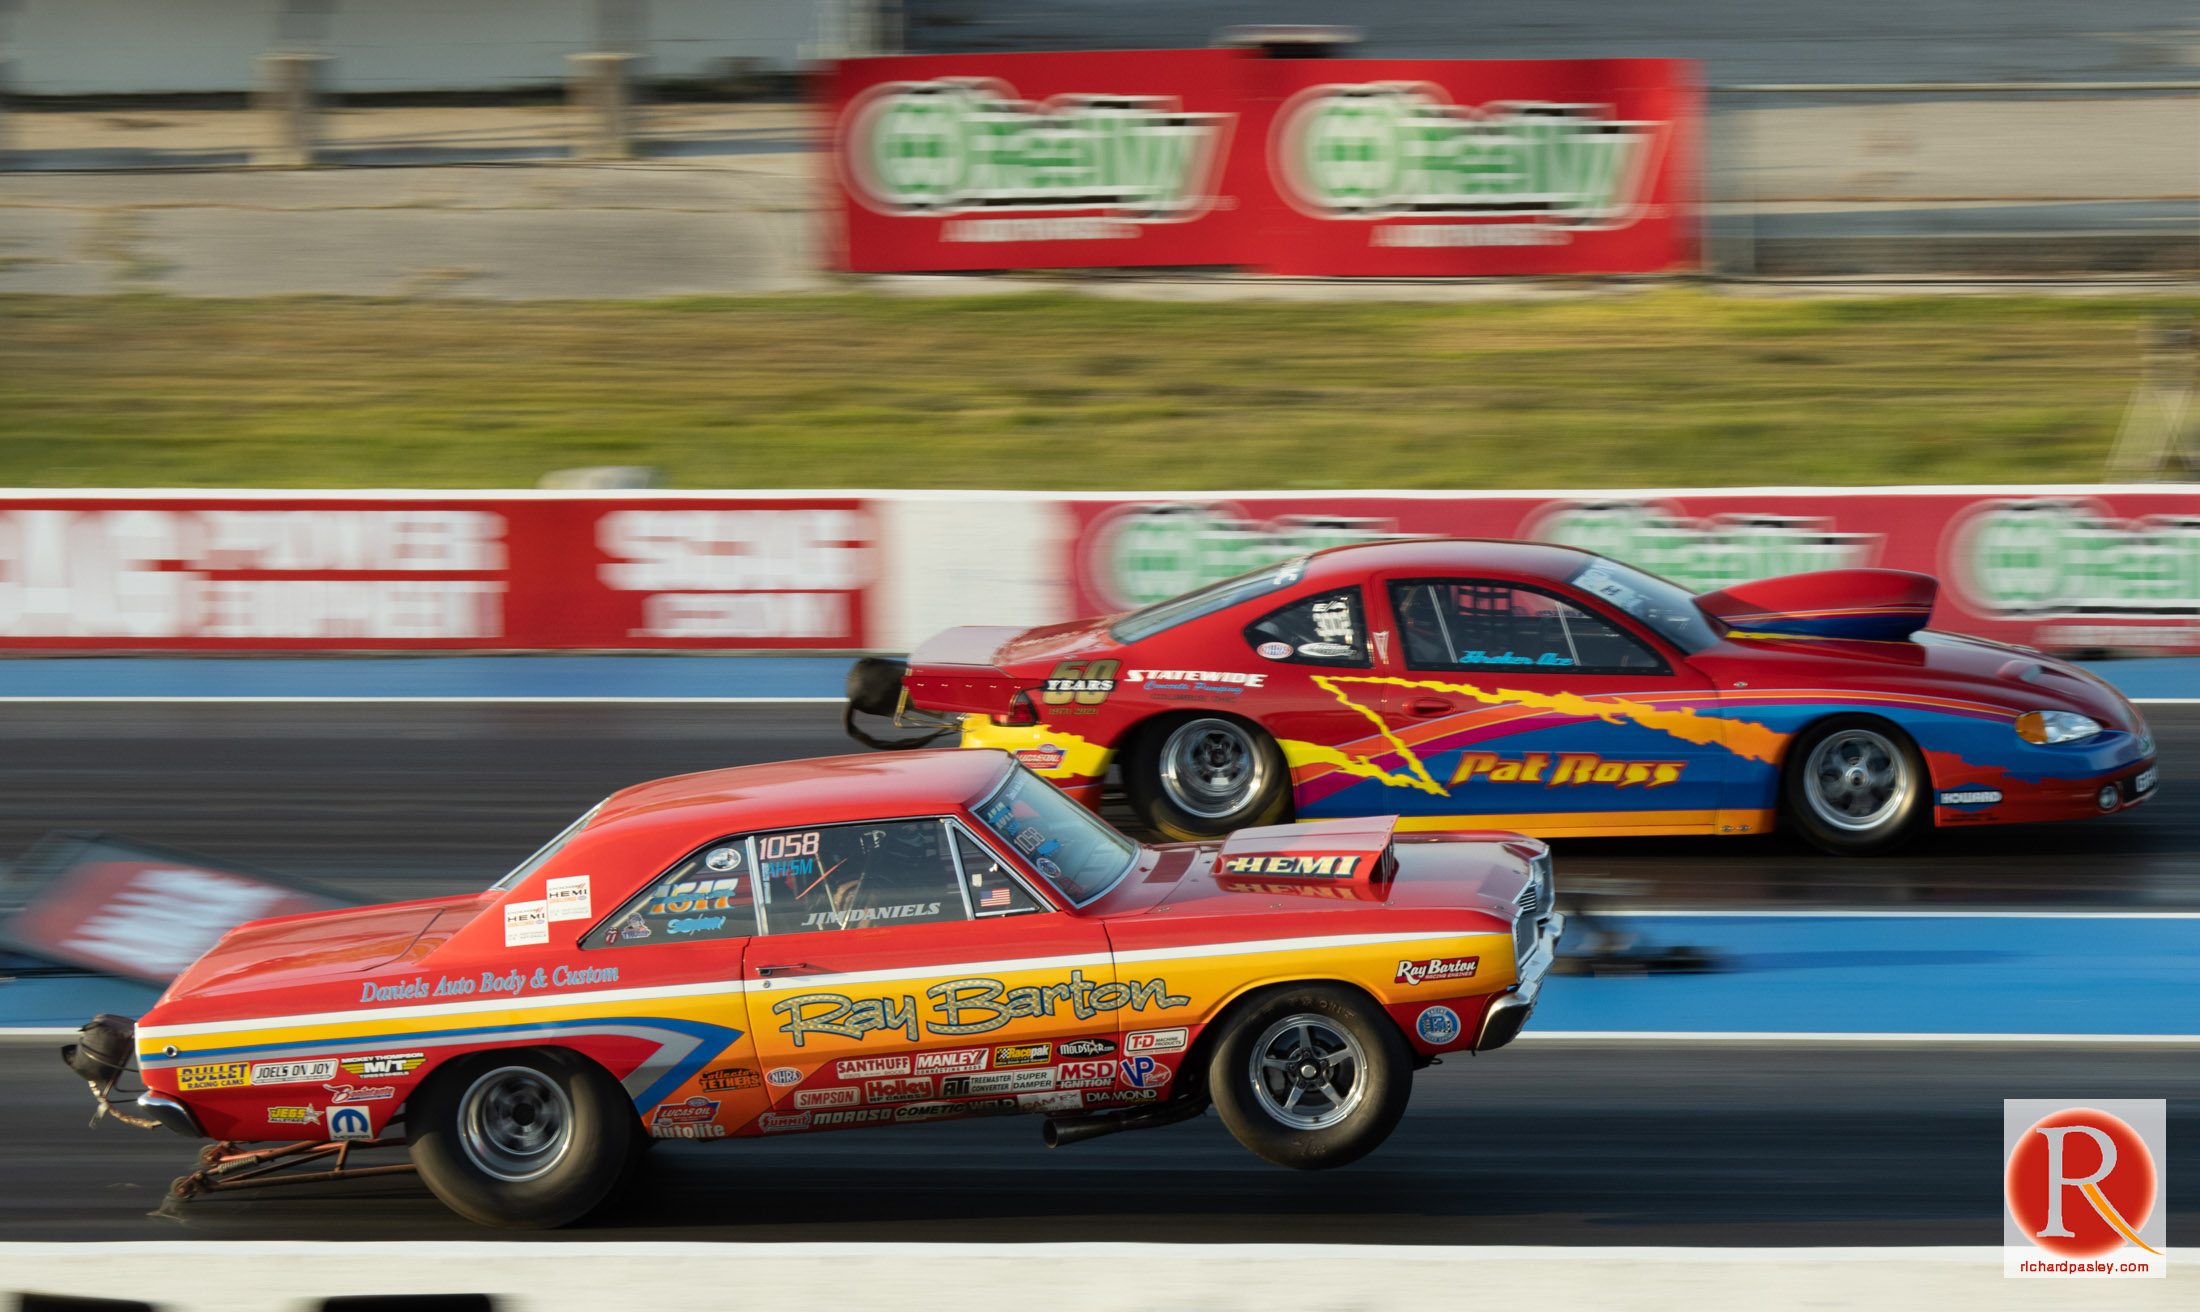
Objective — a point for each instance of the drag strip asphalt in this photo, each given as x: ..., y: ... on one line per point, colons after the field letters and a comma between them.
x: 1548, y: 1142
x: 390, y: 801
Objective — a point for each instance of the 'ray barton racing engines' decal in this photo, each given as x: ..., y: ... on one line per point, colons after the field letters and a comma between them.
x: 965, y: 1006
x: 1384, y: 149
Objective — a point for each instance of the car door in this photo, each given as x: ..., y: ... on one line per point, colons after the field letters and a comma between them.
x: 1521, y: 704
x: 686, y: 932
x: 909, y: 970
x: 1322, y: 671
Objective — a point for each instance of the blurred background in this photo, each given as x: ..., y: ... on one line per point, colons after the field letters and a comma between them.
x: 419, y: 418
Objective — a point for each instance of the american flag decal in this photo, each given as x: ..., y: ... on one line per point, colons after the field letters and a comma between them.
x: 993, y: 897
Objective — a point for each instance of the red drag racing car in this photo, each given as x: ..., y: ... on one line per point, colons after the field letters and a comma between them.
x: 855, y: 942
x: 1539, y: 688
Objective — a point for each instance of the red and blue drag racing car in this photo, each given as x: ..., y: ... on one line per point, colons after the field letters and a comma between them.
x: 1538, y: 688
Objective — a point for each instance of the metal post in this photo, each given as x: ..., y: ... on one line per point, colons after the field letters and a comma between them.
x: 2157, y: 438
x: 290, y: 100
x: 597, y: 89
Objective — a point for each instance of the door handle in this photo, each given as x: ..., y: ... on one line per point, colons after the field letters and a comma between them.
x: 1429, y: 706
x: 766, y: 972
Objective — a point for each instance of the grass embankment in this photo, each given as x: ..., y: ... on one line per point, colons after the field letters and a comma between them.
x: 1667, y: 388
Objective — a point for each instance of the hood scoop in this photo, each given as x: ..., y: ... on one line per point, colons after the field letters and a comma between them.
x: 1876, y: 605
x: 1324, y: 853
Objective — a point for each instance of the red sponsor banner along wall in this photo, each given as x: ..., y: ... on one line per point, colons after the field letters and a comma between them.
x: 1223, y: 157
x: 2066, y: 569
x: 388, y: 571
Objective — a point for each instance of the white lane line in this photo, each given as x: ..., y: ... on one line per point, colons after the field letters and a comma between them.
x: 1778, y: 1036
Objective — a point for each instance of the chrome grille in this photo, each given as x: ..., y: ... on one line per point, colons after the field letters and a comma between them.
x: 1524, y: 933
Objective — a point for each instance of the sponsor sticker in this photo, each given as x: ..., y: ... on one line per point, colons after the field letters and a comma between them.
x: 1086, y: 1047
x: 568, y: 898
x: 1970, y: 797
x: 859, y: 1068
x: 1144, y: 1072
x: 852, y: 1116
x: 1120, y: 1097
x: 781, y: 1122
x: 316, y: 1071
x: 845, y: 1095
x: 1436, y: 970
x: 342, y: 1093
x: 293, y: 1116
x: 693, y: 1110
x: 1050, y: 1102
x: 960, y: 1059
x: 783, y: 1076
x: 2085, y: 1188
x: 1045, y: 757
x: 387, y: 1065
x: 723, y: 859
x: 526, y: 924
x: 220, y: 1075
x: 349, y: 1124
x: 1084, y: 1074
x: 730, y: 1077
x: 1275, y: 651
x: 699, y: 1130
x: 1156, y: 1041
x: 964, y: 1086
x: 1437, y: 1025
x: 1303, y: 865
x: 1329, y: 650
x: 1080, y: 683
x: 905, y: 1089
x: 1023, y: 1054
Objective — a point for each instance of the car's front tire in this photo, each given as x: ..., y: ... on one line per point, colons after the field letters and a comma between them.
x: 522, y: 1139
x: 1856, y: 785
x: 1203, y: 776
x: 1311, y: 1076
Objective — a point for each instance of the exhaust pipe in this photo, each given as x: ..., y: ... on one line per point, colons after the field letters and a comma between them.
x: 1061, y: 1132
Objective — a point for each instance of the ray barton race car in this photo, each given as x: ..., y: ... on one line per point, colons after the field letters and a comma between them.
x: 1522, y: 686
x: 822, y: 945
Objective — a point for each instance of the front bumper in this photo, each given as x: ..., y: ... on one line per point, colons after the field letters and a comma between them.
x: 1508, y: 1013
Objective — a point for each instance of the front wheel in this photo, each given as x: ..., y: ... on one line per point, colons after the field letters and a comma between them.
x: 1312, y: 1076
x: 1204, y: 776
x: 523, y: 1140
x: 1856, y: 786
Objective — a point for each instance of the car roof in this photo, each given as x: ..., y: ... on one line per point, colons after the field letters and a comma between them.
x: 1542, y: 560
x: 823, y: 790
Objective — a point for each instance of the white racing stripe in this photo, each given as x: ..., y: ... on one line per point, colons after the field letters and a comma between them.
x: 400, y: 1014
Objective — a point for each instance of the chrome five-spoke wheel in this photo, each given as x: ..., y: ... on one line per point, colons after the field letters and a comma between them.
x: 516, y: 1123
x: 1308, y: 1072
x: 1857, y: 779
x: 1211, y: 768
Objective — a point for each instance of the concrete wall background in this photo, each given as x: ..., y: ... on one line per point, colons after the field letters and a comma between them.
x: 113, y: 47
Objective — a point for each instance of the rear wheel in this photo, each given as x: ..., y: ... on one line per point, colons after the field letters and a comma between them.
x: 524, y: 1140
x: 1311, y: 1076
x: 1856, y: 785
x: 1206, y: 775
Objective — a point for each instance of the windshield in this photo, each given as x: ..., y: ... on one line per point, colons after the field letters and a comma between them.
x: 1668, y: 608
x: 547, y: 850
x: 1074, y: 849
x: 1206, y: 601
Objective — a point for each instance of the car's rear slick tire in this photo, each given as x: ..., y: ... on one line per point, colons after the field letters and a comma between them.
x: 524, y: 1140
x: 1835, y: 770
x: 1200, y: 776
x: 1343, y: 1116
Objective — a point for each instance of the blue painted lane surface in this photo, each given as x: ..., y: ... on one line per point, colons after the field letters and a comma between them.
x: 1864, y: 974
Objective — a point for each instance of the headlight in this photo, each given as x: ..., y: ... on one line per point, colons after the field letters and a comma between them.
x: 2056, y: 726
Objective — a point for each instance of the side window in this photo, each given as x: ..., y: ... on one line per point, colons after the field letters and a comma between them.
x: 1490, y: 625
x: 993, y: 890
x: 711, y: 894
x: 860, y: 876
x: 1328, y: 628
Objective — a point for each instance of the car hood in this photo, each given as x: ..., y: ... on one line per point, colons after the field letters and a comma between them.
x: 1474, y: 872
x: 322, y: 945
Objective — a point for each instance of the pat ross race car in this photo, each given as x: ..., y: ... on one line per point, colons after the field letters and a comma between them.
x: 820, y: 945
x: 1537, y: 688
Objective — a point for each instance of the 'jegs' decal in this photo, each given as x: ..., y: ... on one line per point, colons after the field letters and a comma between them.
x: 966, y: 1006
x: 1572, y: 768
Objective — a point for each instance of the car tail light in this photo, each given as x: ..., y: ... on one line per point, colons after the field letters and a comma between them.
x: 1020, y: 711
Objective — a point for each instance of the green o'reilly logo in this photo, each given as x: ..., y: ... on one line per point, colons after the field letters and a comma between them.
x: 1396, y: 149
x: 963, y: 145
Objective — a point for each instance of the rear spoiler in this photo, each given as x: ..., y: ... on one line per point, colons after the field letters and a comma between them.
x: 1321, y: 853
